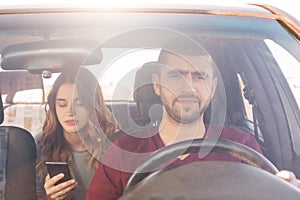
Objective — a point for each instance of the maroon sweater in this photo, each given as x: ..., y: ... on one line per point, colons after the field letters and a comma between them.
x: 128, y: 151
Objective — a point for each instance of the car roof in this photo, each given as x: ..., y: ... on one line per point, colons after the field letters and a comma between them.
x: 117, y: 6
x: 145, y: 6
x: 11, y: 11
x: 42, y: 21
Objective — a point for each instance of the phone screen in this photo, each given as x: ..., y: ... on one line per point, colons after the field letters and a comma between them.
x: 55, y: 168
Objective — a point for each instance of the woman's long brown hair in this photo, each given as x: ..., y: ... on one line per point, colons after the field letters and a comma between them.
x: 101, y: 123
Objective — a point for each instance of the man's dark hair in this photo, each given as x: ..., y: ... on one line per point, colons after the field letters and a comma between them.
x: 182, y: 47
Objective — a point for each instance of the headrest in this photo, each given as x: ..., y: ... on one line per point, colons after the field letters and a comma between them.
x: 1, y: 110
x: 144, y: 94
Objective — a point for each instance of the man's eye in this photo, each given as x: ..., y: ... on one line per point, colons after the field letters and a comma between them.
x: 175, y: 75
x: 199, y: 76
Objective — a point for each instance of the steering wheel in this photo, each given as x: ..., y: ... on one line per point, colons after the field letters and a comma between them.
x: 209, y: 180
x: 161, y: 156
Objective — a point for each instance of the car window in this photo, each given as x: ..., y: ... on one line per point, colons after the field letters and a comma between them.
x: 26, y: 109
x: 116, y: 72
x: 121, y: 59
x: 255, y: 56
x: 289, y: 65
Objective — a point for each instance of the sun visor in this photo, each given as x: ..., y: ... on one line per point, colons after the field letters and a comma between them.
x: 51, y: 55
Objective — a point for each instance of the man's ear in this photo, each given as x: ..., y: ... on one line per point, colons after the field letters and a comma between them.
x: 213, y: 87
x: 156, y: 85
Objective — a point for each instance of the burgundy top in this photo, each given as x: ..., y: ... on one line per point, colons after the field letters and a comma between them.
x: 128, y: 151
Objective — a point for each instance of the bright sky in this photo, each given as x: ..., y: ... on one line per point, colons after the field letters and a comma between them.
x: 286, y: 5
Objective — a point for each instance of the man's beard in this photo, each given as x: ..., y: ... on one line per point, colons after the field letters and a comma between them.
x: 177, y: 115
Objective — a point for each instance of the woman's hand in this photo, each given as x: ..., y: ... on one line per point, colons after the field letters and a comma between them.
x: 60, y: 191
x: 289, y: 177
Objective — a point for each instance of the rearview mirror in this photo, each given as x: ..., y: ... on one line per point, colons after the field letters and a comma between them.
x: 51, y: 55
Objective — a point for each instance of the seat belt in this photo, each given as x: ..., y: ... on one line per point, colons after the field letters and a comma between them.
x: 255, y: 122
x: 249, y: 94
x: 3, y: 160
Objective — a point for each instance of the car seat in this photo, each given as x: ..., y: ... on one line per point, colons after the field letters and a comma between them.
x: 148, y: 103
x: 17, y: 162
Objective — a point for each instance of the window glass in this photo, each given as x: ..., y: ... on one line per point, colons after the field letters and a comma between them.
x: 289, y: 66
x: 116, y: 73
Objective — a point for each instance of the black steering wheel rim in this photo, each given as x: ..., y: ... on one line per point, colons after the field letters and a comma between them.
x: 243, y: 152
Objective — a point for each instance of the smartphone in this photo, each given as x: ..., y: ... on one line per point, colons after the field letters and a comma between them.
x: 55, y: 168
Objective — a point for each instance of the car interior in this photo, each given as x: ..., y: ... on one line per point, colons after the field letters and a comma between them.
x: 145, y: 110
x: 17, y: 169
x: 252, y: 94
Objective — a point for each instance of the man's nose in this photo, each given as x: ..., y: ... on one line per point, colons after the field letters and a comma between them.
x: 188, y: 83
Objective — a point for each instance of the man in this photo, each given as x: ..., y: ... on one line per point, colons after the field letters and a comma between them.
x: 186, y: 83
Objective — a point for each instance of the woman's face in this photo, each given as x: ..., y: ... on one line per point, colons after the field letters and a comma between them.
x: 71, y: 113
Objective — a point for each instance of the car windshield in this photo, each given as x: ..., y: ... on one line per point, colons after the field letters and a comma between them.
x: 256, y: 58
x: 128, y: 42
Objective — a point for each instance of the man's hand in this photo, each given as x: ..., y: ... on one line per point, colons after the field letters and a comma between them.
x: 289, y: 177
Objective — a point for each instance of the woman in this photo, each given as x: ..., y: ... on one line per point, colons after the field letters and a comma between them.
x: 77, y: 122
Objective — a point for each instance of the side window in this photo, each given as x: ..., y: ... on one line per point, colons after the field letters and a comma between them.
x: 28, y: 116
x: 290, y: 67
x: 116, y: 73
x: 25, y: 107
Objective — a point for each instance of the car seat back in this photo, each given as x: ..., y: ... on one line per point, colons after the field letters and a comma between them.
x: 17, y: 163
x: 147, y: 102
